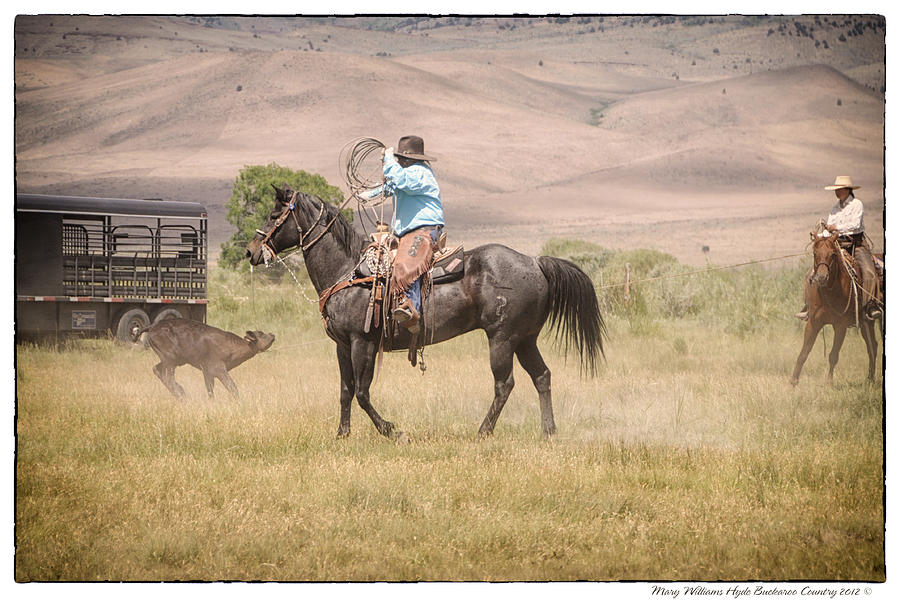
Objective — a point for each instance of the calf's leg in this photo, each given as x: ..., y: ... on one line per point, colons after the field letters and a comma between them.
x: 226, y: 380
x: 166, y: 375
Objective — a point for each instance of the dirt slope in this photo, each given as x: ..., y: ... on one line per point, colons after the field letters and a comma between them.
x: 541, y: 129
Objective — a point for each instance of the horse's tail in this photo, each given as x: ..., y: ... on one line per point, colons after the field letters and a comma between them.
x: 574, y: 310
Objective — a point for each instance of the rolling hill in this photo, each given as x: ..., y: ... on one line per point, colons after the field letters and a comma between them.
x: 606, y: 129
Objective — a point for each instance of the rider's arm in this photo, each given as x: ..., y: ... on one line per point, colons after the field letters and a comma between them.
x: 416, y: 180
x: 849, y: 220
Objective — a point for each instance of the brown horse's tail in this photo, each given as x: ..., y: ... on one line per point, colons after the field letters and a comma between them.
x: 574, y: 310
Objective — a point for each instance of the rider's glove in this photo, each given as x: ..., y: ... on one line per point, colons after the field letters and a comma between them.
x: 371, y: 193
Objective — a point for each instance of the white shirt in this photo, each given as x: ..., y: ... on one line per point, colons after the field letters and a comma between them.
x: 848, y: 220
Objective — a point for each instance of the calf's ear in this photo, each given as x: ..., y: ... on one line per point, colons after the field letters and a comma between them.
x: 250, y: 336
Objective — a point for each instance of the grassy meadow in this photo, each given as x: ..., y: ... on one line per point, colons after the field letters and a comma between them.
x: 688, y: 457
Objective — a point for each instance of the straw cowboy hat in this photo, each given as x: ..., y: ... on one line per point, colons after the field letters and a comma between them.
x: 842, y: 182
x: 412, y: 147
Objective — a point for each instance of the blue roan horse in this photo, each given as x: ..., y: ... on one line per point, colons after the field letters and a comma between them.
x: 507, y: 294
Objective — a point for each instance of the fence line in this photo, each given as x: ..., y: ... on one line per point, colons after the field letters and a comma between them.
x: 702, y: 270
x: 628, y: 282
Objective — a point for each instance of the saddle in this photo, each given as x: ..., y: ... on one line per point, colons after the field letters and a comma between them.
x: 375, y: 267
x: 448, y: 262
x: 853, y: 268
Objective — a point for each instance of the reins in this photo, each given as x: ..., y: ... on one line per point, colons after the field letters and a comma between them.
x: 289, y: 210
x: 853, y: 294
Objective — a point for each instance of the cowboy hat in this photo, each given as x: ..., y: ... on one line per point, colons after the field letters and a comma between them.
x: 841, y: 182
x: 412, y: 147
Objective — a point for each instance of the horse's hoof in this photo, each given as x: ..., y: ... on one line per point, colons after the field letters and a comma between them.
x: 342, y: 434
x: 401, y: 438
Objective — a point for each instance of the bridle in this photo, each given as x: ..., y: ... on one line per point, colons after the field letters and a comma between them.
x: 269, y: 251
x: 827, y: 264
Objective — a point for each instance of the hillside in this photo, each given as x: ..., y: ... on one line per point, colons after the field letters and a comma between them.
x: 605, y: 129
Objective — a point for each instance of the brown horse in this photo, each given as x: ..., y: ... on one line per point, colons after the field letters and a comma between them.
x: 834, y: 300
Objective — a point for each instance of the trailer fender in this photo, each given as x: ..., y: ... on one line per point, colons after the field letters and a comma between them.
x: 168, y: 312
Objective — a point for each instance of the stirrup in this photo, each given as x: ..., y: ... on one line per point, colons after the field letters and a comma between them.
x: 401, y: 315
x: 406, y: 319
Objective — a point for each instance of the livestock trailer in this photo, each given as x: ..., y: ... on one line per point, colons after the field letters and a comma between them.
x: 88, y: 266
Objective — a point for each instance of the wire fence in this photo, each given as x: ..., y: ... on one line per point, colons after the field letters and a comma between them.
x: 700, y: 271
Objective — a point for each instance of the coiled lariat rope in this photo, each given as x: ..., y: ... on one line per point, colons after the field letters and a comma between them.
x: 360, y: 163
x: 360, y: 173
x: 361, y: 167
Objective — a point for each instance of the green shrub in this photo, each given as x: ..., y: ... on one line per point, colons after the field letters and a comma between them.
x: 740, y: 300
x: 253, y: 197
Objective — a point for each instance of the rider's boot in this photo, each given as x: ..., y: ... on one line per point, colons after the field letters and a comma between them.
x: 407, y: 316
x: 872, y: 310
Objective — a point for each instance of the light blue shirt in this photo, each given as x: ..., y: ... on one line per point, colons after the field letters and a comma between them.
x: 416, y: 194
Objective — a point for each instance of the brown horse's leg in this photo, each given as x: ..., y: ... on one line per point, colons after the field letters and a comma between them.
x: 809, y: 337
x: 348, y: 387
x: 867, y: 329
x: 501, y: 367
x: 840, y: 331
x: 530, y: 358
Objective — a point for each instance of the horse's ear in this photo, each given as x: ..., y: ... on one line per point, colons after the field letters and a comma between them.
x: 279, y: 193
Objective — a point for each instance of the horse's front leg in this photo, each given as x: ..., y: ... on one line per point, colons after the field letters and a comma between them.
x: 348, y: 387
x: 840, y: 331
x: 809, y: 338
x: 867, y: 329
x: 363, y: 357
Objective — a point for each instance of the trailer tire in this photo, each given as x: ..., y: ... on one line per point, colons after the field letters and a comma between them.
x: 130, y: 322
x: 167, y: 313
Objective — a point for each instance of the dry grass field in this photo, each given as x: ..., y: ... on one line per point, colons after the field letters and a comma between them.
x: 687, y: 458
x: 682, y: 460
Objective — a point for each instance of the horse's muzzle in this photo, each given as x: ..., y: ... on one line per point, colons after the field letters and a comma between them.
x: 254, y: 253
x: 820, y: 277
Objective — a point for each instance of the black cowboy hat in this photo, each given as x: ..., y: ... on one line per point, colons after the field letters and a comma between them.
x: 412, y: 147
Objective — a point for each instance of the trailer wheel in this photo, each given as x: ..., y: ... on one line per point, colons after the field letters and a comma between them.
x: 167, y: 313
x: 130, y: 323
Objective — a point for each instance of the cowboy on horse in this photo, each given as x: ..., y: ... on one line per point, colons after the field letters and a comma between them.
x: 418, y: 223
x: 846, y: 221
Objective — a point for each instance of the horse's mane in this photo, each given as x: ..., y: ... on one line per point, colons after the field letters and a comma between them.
x: 348, y: 238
